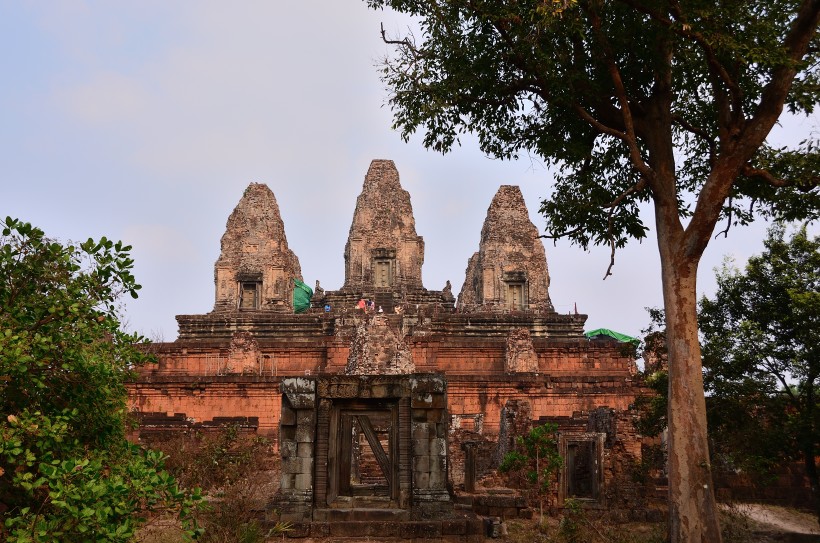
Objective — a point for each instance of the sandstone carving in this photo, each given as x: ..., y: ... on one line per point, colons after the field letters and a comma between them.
x: 519, y: 355
x: 244, y: 354
x: 509, y: 271
x: 383, y: 249
x: 256, y: 268
x: 378, y: 349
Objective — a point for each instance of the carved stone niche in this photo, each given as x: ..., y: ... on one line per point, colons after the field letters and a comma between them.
x: 250, y: 290
x: 520, y: 355
x: 364, y: 448
x: 515, y: 290
x: 383, y: 267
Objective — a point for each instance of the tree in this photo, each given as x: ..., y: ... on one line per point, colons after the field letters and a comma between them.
x: 762, y: 358
x: 634, y: 101
x: 653, y: 406
x: 536, y: 459
x: 67, y: 472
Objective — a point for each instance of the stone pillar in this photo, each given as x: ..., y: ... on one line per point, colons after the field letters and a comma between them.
x: 429, y: 441
x: 297, y: 432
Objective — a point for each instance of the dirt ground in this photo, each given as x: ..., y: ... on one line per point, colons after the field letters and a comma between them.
x: 741, y: 523
x: 773, y: 523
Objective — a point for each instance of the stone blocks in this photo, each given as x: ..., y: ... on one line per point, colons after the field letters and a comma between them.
x: 297, y: 430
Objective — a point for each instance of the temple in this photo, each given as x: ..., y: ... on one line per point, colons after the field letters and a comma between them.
x: 432, y: 391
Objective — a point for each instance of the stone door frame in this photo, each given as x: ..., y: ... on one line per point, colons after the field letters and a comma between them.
x: 343, y: 413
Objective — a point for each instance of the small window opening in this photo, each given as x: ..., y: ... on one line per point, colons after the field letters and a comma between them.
x: 249, y: 295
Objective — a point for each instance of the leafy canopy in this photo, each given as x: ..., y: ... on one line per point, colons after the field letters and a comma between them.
x: 761, y: 355
x: 66, y: 469
x: 614, y: 93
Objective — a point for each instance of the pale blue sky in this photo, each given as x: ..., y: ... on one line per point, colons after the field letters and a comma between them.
x: 144, y: 121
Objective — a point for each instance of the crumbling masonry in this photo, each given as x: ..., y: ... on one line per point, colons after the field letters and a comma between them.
x: 502, y: 351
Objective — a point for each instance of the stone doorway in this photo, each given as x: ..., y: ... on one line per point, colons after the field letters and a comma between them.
x: 363, y: 467
x: 364, y: 448
x: 582, y: 476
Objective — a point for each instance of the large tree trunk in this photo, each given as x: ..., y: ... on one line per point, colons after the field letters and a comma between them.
x: 693, y: 511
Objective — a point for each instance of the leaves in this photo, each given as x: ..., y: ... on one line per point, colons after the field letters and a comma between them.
x: 761, y: 357
x: 536, y: 457
x: 565, y: 80
x: 66, y: 469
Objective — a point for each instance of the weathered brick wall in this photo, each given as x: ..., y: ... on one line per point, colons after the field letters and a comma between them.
x: 206, y: 399
x: 206, y: 380
x: 484, y: 450
x: 197, y: 360
x: 548, y: 396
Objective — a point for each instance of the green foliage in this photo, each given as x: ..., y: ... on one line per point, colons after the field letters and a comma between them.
x: 570, y: 526
x: 536, y: 457
x: 66, y: 469
x: 606, y: 90
x: 652, y: 408
x: 762, y: 357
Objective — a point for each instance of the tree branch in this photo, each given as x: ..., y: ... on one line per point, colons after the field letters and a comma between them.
x: 774, y: 94
x: 563, y: 234
x: 637, y: 187
x: 766, y: 176
x: 684, y: 29
x: 620, y: 94
x: 403, y: 42
x: 598, y: 125
x: 700, y: 132
x: 728, y: 221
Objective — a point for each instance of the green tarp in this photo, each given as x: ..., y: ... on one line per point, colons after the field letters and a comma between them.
x: 301, y: 296
x: 616, y: 335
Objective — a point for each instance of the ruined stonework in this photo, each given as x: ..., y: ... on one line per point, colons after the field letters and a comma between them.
x: 383, y: 249
x: 510, y: 361
x: 509, y: 271
x: 336, y: 429
x: 378, y: 349
x: 520, y: 355
x: 516, y: 420
x: 256, y: 268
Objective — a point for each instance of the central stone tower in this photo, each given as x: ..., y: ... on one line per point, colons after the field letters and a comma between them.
x: 383, y: 249
x: 384, y: 254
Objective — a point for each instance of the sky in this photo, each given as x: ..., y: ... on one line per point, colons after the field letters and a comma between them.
x: 145, y: 121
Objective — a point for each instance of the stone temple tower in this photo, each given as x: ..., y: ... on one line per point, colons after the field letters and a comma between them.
x: 383, y: 249
x: 255, y: 269
x: 509, y: 271
x: 384, y: 254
